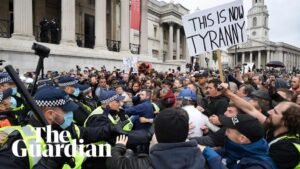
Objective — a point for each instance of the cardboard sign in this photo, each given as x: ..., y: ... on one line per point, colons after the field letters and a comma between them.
x: 215, y: 28
x: 131, y: 61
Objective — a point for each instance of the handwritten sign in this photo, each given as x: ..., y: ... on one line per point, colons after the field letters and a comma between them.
x: 131, y: 61
x: 215, y: 28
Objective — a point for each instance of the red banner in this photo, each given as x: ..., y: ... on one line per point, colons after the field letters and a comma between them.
x: 135, y: 14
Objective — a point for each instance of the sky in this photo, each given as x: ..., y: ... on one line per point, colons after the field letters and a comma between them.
x: 284, y: 16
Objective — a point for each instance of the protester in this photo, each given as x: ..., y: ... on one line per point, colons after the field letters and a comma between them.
x: 282, y: 126
x: 172, y: 150
x: 245, y: 146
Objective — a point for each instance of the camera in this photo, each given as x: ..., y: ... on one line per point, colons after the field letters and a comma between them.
x: 40, y: 50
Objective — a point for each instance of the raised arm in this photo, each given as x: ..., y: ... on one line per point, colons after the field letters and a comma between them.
x: 243, y: 104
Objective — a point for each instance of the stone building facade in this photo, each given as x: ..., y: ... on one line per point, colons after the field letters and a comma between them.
x: 259, y: 49
x: 92, y: 33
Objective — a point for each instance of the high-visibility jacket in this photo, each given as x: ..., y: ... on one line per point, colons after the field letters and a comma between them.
x: 99, y: 111
x: 29, y: 136
x: 296, y: 144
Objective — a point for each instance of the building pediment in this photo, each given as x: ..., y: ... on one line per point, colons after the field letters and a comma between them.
x: 251, y: 43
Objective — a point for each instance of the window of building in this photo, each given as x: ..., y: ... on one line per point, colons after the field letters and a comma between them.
x: 92, y: 2
x: 255, y: 1
x: 155, y: 31
x: 164, y: 33
x: 265, y: 22
x: 254, y: 21
x: 155, y: 53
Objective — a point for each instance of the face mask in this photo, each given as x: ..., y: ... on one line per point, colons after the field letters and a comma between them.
x: 76, y: 92
x: 13, y: 103
x: 14, y: 91
x: 68, y: 118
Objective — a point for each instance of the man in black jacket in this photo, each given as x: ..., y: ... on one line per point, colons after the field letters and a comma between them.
x: 216, y: 103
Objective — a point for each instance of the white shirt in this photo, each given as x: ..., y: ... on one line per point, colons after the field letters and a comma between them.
x: 198, y: 119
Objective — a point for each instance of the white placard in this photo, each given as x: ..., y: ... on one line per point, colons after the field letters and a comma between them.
x: 131, y: 61
x: 215, y: 28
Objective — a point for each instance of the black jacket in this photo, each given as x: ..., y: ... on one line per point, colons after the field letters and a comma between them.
x: 81, y: 113
x: 120, y: 161
x: 216, y: 105
x: 162, y: 156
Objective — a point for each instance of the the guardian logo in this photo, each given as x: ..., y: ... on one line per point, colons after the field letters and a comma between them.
x: 58, y: 145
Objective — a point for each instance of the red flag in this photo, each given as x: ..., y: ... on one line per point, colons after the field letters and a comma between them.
x: 135, y: 14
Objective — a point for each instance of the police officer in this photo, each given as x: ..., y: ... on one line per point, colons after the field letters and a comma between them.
x: 7, y: 103
x: 86, y: 97
x: 70, y: 86
x: 44, y: 26
x: 107, y: 114
x: 58, y: 110
x: 19, y: 108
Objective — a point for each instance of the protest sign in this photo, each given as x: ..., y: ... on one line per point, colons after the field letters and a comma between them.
x: 215, y: 28
x: 131, y: 61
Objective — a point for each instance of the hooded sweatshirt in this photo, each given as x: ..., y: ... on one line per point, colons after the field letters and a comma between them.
x: 177, y: 156
x: 254, y: 155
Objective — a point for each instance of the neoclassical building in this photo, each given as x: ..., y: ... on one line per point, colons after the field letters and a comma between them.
x: 91, y: 33
x: 259, y: 49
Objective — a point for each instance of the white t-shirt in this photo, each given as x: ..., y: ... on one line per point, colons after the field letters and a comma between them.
x: 198, y: 119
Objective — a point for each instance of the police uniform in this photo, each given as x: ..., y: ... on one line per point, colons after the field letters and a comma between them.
x: 103, y: 117
x: 7, y: 118
x: 87, y: 101
x: 286, y: 145
x: 82, y: 112
x: 19, y: 110
x: 47, y: 97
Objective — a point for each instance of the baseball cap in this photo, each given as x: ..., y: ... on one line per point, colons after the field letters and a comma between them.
x: 245, y: 124
x: 261, y: 94
x: 187, y: 94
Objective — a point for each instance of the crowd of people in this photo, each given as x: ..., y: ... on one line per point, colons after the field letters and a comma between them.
x: 160, y: 120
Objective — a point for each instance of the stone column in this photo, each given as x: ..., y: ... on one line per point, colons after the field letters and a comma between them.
x: 161, y: 41
x: 170, y: 53
x: 251, y: 57
x: 68, y: 22
x: 282, y: 57
x: 184, y: 53
x: 113, y: 20
x: 297, y: 61
x: 243, y: 57
x: 178, y: 43
x: 259, y: 60
x: 144, y: 27
x: 187, y: 54
x: 23, y: 24
x: 268, y: 56
x: 125, y: 31
x: 100, y: 19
